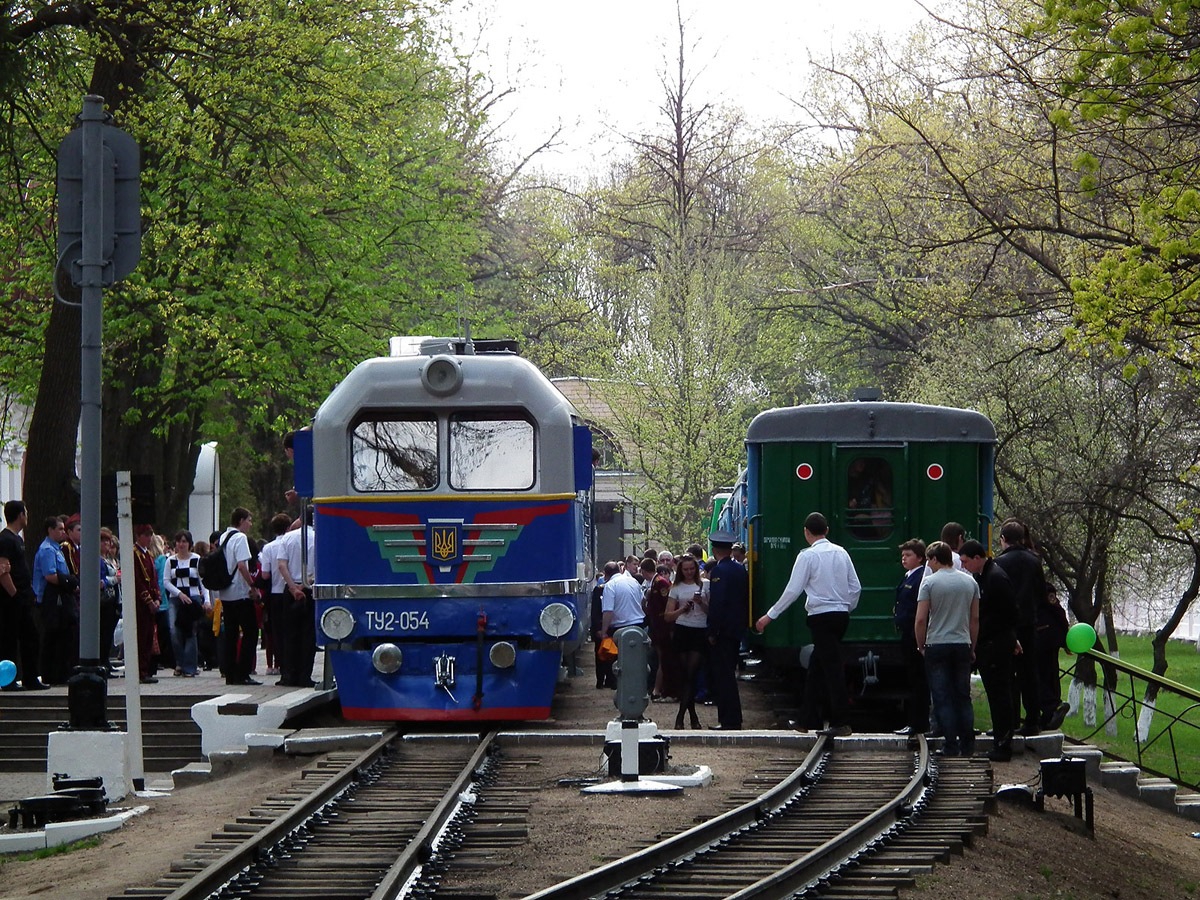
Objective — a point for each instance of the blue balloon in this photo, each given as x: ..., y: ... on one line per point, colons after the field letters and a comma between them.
x: 8, y: 672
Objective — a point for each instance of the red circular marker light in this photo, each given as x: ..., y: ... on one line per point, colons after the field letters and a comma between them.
x: 804, y: 471
x: 935, y: 472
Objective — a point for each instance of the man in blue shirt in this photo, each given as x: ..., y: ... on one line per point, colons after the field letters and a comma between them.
x: 54, y: 587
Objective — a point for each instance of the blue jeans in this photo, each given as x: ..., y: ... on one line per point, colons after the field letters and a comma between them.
x: 949, y: 670
x: 183, y: 640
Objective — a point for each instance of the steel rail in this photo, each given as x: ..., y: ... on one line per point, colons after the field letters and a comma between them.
x: 816, y: 865
x: 688, y: 843
x: 420, y: 848
x: 252, y: 850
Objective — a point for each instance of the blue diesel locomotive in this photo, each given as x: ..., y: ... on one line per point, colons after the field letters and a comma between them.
x: 451, y: 491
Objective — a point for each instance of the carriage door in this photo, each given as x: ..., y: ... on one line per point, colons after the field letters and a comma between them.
x: 872, y: 522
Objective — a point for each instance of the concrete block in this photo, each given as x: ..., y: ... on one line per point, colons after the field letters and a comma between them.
x: 271, y: 738
x: 1121, y: 777
x: 323, y: 740
x: 192, y: 773
x: 1092, y: 756
x: 88, y: 754
x: 1188, y: 806
x: 1158, y: 792
x: 226, y: 762
x: 58, y: 833
x: 226, y: 721
x: 1046, y: 746
x: 22, y: 842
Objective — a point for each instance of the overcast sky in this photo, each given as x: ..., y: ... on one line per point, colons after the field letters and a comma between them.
x: 595, y: 67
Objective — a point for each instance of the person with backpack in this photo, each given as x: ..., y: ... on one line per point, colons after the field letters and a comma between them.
x: 239, y: 626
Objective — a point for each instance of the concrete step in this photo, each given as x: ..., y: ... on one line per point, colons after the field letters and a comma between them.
x: 1121, y: 776
x: 1158, y: 792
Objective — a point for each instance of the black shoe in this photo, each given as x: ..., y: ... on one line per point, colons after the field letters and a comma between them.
x: 725, y: 727
x: 1030, y: 730
x: 838, y: 731
x: 251, y: 681
x: 35, y: 686
x: 1054, y: 721
x: 905, y: 731
x: 1000, y: 754
x: 149, y: 679
x: 936, y: 733
x: 11, y: 686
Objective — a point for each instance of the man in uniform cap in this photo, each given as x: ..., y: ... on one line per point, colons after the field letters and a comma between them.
x: 728, y: 612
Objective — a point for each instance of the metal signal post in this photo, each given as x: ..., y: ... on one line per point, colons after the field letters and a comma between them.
x: 99, y: 243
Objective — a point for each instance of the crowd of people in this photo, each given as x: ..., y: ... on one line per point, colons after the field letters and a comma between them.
x: 694, y: 610
x: 180, y: 625
x: 957, y: 610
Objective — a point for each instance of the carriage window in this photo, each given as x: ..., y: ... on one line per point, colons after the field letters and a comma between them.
x: 869, y: 498
x: 491, y: 453
x: 394, y: 454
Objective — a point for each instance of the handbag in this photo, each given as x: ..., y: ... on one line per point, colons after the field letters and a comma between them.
x: 607, y: 651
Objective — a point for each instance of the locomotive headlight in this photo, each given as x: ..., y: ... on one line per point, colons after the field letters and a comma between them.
x: 503, y: 655
x: 442, y: 375
x: 337, y: 622
x: 387, y: 658
x: 557, y: 619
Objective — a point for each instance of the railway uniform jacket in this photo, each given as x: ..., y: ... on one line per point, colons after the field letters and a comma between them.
x: 729, y: 601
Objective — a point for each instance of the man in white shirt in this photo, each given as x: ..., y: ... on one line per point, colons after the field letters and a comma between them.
x: 237, y: 602
x: 299, y: 640
x: 621, y: 602
x: 825, y: 572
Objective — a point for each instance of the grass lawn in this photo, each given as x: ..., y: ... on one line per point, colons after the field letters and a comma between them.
x: 1161, y: 750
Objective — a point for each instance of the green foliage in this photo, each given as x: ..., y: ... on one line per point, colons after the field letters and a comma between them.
x: 308, y: 188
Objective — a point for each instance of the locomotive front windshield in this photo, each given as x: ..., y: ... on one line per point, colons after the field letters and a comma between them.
x: 491, y: 452
x: 394, y: 454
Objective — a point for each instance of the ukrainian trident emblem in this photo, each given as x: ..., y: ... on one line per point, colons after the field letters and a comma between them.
x: 443, y: 542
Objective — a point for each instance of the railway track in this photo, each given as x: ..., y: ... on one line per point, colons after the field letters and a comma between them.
x: 391, y: 823
x: 844, y: 824
x: 363, y: 829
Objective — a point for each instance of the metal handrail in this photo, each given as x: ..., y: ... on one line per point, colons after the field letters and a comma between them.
x: 1129, y: 708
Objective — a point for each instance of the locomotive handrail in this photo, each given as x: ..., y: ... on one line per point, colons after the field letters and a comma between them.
x: 447, y: 591
x: 622, y: 871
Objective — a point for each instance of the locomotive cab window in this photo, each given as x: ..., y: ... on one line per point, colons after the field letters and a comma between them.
x: 491, y: 452
x: 394, y: 454
x: 869, y: 513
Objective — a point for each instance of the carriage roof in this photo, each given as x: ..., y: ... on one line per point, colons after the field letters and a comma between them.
x: 870, y: 421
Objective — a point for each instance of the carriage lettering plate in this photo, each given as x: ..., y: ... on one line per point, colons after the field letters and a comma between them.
x: 396, y: 620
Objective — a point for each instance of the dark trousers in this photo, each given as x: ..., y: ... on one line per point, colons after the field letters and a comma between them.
x: 238, y: 621
x: 916, y: 702
x: 1049, y: 685
x: 162, y: 624
x: 277, y: 609
x: 994, y: 658
x: 1025, y: 685
x: 19, y: 635
x: 60, y: 637
x: 825, y: 686
x: 298, y: 642
x: 723, y: 659
x: 949, y: 670
x: 145, y: 640
x: 109, y: 614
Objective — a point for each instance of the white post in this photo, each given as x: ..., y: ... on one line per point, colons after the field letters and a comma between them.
x: 133, y: 685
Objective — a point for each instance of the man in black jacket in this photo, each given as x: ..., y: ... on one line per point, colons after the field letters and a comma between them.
x: 728, y: 611
x: 997, y: 642
x: 916, y: 704
x: 1024, y: 570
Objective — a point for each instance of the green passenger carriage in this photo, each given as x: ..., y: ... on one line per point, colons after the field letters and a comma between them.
x: 882, y: 473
